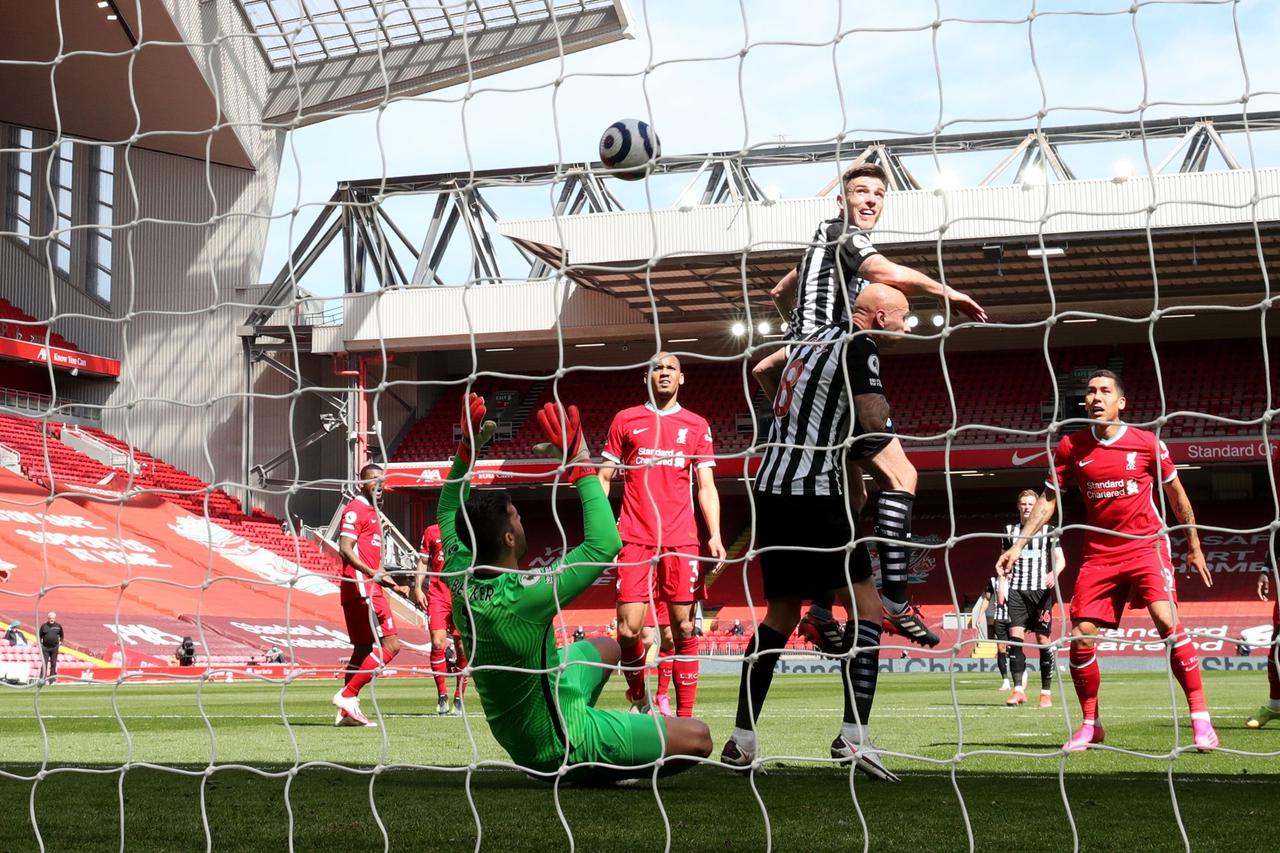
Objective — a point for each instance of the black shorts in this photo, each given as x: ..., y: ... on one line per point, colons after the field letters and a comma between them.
x: 1031, y: 609
x: 999, y: 630
x: 788, y: 522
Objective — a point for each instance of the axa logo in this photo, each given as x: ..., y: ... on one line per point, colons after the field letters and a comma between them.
x: 430, y: 475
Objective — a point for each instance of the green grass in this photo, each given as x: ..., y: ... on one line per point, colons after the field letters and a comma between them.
x: 1006, y: 778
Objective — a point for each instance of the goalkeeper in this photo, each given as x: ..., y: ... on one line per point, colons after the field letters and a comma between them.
x: 540, y: 701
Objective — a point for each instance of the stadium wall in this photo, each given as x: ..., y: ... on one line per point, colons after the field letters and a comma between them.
x: 189, y: 239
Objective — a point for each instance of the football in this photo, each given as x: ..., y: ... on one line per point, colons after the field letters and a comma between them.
x: 627, y: 147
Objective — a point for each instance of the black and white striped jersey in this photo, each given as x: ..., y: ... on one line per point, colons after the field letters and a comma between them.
x: 1036, y: 560
x: 806, y: 445
x: 828, y: 277
x: 996, y: 612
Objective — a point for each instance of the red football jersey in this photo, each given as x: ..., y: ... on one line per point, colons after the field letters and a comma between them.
x: 360, y: 522
x: 1117, y: 479
x: 659, y: 450
x: 438, y: 594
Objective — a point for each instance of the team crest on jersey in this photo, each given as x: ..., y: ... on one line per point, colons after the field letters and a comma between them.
x: 682, y: 435
x: 873, y: 364
x: 1131, y: 461
x: 534, y: 575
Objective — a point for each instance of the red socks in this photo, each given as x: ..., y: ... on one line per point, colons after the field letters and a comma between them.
x: 633, y: 667
x: 439, y: 667
x: 460, y: 689
x: 1086, y: 676
x: 664, y: 670
x: 364, y: 674
x: 686, y: 673
x: 1186, y: 668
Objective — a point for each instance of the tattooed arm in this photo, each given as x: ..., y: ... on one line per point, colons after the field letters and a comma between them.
x: 1181, y: 506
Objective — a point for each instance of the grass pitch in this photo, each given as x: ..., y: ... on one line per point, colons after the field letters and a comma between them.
x: 220, y: 768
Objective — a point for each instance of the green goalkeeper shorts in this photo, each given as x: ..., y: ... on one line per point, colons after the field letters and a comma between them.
x: 604, y: 737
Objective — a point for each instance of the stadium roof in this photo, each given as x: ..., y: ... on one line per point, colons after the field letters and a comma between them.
x: 1107, y: 243
x: 343, y: 55
x: 300, y: 31
x: 69, y: 67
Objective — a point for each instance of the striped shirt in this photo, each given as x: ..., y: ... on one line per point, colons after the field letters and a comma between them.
x: 828, y: 277
x: 996, y: 612
x: 1036, y: 559
x: 805, y: 448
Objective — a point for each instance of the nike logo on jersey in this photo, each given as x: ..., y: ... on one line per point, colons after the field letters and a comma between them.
x: 640, y: 430
x: 1084, y: 462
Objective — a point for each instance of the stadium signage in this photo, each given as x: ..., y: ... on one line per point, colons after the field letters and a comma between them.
x: 64, y: 359
x: 1026, y: 457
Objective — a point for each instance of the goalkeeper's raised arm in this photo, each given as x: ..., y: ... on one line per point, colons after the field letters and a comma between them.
x: 492, y: 518
x: 539, y: 700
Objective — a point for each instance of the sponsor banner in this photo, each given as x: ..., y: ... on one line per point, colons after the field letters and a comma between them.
x: 487, y: 472
x: 1032, y: 458
x: 64, y: 359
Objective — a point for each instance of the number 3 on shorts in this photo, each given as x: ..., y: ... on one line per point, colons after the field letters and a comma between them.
x: 693, y: 576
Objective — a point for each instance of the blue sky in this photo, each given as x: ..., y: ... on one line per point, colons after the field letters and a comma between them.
x: 717, y: 75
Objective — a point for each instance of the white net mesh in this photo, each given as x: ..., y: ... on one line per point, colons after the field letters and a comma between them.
x: 202, y: 341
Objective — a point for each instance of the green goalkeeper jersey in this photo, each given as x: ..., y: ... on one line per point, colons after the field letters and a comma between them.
x: 507, y: 627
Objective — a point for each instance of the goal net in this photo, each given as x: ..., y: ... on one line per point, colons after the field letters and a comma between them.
x: 252, y: 247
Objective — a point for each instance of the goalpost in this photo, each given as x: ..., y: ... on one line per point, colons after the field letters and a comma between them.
x: 203, y: 341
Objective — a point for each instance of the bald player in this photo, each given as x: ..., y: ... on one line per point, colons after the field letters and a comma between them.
x: 840, y: 262
x: 883, y: 308
x: 831, y: 396
x: 660, y: 445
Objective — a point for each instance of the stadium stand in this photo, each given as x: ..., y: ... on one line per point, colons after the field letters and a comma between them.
x: 1232, y: 385
x: 16, y: 323
x: 46, y: 460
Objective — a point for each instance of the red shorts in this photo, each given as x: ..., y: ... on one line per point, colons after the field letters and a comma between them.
x: 369, y: 619
x: 440, y: 606
x: 1103, y: 589
x: 677, y: 577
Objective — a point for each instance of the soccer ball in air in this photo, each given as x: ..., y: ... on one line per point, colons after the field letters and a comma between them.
x: 627, y: 147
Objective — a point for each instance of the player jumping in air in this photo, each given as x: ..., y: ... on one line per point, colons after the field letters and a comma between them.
x: 1030, y: 601
x: 1271, y: 710
x: 1116, y: 467
x: 540, y: 701
x: 437, y: 602
x: 829, y: 409
x: 365, y: 608
x: 660, y: 445
x: 840, y: 261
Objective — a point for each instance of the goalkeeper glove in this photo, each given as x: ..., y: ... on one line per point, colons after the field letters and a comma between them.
x: 476, y: 431
x: 564, y: 429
